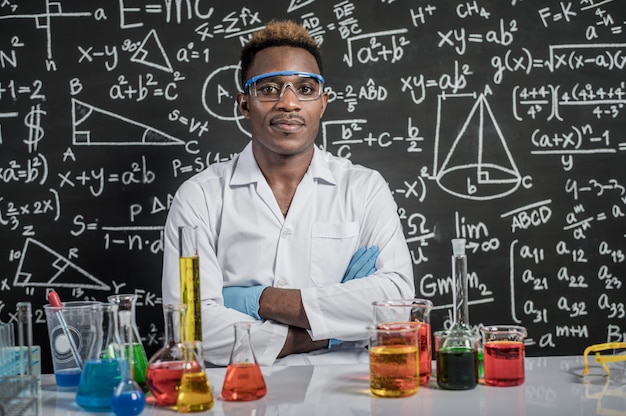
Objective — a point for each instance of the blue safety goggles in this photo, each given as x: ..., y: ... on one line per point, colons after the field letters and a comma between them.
x: 271, y: 86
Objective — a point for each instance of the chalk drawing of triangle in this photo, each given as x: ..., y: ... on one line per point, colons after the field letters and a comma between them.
x: 41, y: 266
x: 296, y: 4
x: 151, y: 53
x: 479, y: 164
x: 94, y: 126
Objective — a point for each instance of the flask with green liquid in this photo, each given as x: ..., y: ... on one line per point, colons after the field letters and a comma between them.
x: 457, y: 366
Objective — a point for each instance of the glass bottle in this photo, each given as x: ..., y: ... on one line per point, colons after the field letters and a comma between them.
x: 190, y: 282
x: 127, y: 302
x: 128, y: 398
x: 165, y: 368
x: 457, y: 368
x: 102, y: 371
x: 194, y: 392
x: 243, y: 380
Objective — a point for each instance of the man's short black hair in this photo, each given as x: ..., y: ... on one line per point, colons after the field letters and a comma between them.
x: 278, y: 33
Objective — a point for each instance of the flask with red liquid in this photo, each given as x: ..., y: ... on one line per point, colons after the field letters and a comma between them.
x: 244, y: 380
x: 165, y: 368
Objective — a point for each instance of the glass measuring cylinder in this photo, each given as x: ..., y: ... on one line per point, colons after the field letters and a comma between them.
x: 243, y: 380
x: 413, y: 311
x: 165, y: 368
x: 127, y: 302
x: 190, y: 282
x: 103, y: 368
x: 194, y: 391
x: 503, y: 347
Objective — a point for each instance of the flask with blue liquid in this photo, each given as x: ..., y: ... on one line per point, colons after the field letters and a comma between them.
x: 128, y: 398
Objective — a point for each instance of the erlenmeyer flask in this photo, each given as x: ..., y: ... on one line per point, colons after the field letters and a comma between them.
x: 102, y: 371
x: 165, y: 368
x: 457, y: 367
x: 243, y: 379
x: 126, y: 302
x: 128, y: 398
x: 194, y: 392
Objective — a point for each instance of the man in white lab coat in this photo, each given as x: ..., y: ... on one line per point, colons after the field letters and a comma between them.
x: 289, y: 236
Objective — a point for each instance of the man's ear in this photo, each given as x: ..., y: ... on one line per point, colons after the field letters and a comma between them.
x: 242, y: 103
x: 324, y: 99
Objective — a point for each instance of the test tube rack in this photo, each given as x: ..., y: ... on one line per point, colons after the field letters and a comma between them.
x: 20, y: 390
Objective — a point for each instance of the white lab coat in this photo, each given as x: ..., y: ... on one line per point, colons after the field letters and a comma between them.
x: 244, y: 240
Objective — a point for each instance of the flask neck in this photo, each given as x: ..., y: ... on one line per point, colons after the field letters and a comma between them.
x: 242, y: 348
x: 125, y: 303
x: 108, y: 342
x: 459, y: 274
x: 173, y: 316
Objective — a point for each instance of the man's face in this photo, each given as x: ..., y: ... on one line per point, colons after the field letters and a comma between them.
x: 287, y: 126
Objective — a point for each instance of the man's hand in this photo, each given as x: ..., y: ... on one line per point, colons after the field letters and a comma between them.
x: 363, y: 263
x: 244, y: 299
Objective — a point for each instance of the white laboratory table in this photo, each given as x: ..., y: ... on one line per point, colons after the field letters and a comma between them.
x: 553, y: 386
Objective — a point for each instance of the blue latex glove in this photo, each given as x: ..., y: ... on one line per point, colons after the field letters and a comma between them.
x: 332, y: 342
x: 244, y: 299
x: 363, y: 263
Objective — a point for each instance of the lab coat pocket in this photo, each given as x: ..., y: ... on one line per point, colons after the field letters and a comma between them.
x: 332, y: 248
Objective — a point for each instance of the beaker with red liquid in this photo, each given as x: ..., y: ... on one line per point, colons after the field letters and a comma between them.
x: 243, y: 380
x: 503, y: 353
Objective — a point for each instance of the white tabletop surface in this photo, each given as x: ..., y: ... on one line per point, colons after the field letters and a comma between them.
x: 553, y: 386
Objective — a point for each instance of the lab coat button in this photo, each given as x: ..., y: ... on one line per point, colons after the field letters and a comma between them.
x: 281, y: 283
x: 286, y: 233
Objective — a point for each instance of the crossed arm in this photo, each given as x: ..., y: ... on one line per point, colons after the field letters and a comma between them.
x: 285, y: 305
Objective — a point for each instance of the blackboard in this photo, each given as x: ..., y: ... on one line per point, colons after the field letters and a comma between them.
x: 501, y: 122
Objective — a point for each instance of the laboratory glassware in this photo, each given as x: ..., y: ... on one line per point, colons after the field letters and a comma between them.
x: 394, y: 359
x: 127, y: 302
x: 503, y: 347
x: 414, y: 311
x: 190, y: 282
x: 128, y: 398
x: 194, y: 391
x: 165, y: 368
x: 102, y: 371
x: 243, y: 380
x: 457, y: 367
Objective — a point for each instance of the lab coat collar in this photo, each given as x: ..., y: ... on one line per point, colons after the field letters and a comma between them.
x: 247, y: 170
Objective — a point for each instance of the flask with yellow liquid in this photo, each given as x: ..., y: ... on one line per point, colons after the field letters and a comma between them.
x: 194, y: 391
